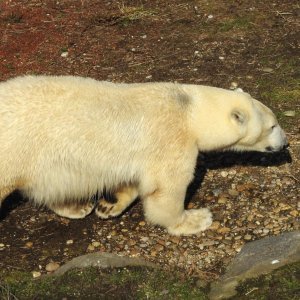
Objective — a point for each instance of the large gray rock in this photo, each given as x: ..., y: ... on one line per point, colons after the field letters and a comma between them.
x: 102, y: 260
x: 256, y: 258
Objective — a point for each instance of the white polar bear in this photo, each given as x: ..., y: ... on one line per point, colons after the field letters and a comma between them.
x: 63, y: 139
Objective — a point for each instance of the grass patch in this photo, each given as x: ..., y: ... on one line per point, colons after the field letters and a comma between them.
x: 94, y: 283
x: 142, y: 283
x: 281, y: 89
x: 284, y: 99
x: 132, y: 14
x: 283, y: 284
x: 238, y: 23
x: 14, y: 18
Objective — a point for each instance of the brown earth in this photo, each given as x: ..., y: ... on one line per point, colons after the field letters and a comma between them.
x: 250, y: 44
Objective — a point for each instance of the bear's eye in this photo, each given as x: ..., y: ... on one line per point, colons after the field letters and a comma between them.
x: 273, y: 127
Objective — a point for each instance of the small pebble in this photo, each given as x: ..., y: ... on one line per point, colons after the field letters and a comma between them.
x: 233, y: 192
x: 294, y: 213
x: 90, y: 247
x: 266, y: 230
x: 224, y: 174
x: 290, y: 113
x: 222, y: 200
x: 224, y: 230
x: 215, y: 225
x: 175, y: 239
x: 267, y: 70
x: 36, y: 274
x: 29, y: 244
x: 233, y: 85
x: 96, y: 244
x: 64, y: 54
x: 69, y: 242
x: 52, y: 266
x: 248, y: 237
x: 131, y: 242
x: 159, y: 247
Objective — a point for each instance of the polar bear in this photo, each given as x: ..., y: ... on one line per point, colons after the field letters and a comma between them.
x: 64, y: 138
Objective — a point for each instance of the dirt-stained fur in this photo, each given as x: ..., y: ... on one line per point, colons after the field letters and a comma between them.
x: 63, y: 139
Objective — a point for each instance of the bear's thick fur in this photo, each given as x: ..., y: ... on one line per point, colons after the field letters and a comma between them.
x: 63, y: 139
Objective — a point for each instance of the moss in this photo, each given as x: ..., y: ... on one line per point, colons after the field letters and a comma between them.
x: 280, y: 89
x: 283, y: 284
x: 238, y: 23
x: 93, y: 283
x: 142, y: 283
x: 132, y: 14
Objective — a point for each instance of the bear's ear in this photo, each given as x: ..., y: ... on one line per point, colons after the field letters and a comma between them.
x: 238, y: 117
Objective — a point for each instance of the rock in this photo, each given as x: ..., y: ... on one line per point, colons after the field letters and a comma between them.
x: 64, y: 54
x: 215, y: 225
x: 52, y: 266
x: 69, y: 242
x: 222, y: 200
x: 102, y: 260
x: 175, y: 239
x: 245, y: 187
x: 36, y: 274
x: 29, y: 245
x: 224, y: 230
x: 131, y: 242
x: 233, y: 192
x: 233, y: 85
x: 90, y: 247
x: 158, y: 247
x: 96, y: 244
x: 289, y: 113
x: 257, y: 258
x: 294, y: 213
x: 224, y: 174
x: 268, y: 70
x: 248, y: 237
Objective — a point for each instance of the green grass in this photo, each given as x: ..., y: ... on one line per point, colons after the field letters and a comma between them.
x: 282, y: 284
x: 281, y: 90
x: 132, y: 14
x: 93, y: 283
x: 142, y: 283
x: 238, y: 23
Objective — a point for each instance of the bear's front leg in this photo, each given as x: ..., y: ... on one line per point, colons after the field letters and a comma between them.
x: 165, y: 207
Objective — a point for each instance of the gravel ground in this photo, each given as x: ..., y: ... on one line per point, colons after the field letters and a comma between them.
x: 255, y: 197
x: 251, y: 45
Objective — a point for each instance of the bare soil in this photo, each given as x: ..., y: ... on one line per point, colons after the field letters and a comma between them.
x: 249, y: 44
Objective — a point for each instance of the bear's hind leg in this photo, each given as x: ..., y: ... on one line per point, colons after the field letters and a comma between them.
x: 123, y: 198
x: 73, y: 211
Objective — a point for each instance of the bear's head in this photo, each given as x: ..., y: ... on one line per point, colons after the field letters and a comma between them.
x: 261, y: 131
x: 233, y: 120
